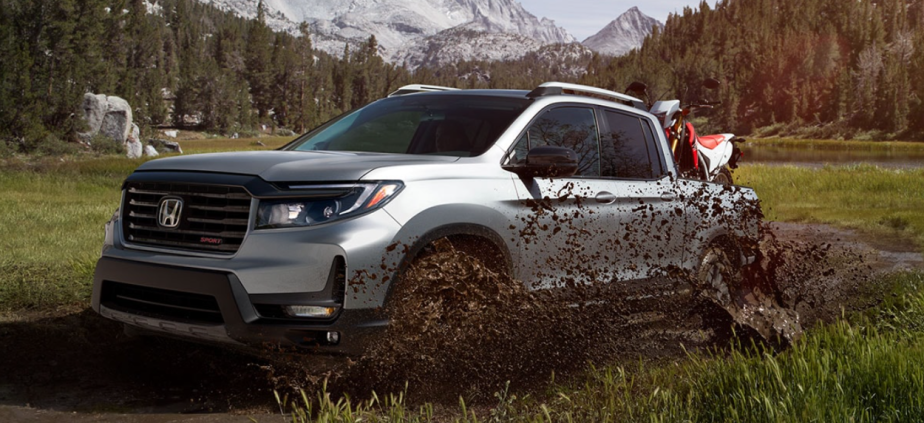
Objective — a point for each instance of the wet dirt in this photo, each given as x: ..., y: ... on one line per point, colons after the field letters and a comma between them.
x: 459, y: 339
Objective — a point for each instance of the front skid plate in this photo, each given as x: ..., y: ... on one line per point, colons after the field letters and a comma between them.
x: 216, y: 333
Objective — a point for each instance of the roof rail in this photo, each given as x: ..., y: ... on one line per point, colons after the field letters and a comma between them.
x: 558, y: 88
x: 419, y: 88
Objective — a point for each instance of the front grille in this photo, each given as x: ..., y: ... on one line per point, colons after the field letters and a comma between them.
x: 161, y: 303
x: 213, y: 218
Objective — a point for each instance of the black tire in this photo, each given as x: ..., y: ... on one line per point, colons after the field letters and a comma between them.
x: 748, y: 304
x: 724, y: 177
x: 715, y: 269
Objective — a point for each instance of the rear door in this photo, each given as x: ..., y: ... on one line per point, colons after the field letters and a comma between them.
x: 650, y: 239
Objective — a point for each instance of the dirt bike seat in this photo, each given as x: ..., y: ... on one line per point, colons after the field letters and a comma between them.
x: 712, y: 141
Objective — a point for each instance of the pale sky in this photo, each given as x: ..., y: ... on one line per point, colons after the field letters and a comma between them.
x: 583, y: 18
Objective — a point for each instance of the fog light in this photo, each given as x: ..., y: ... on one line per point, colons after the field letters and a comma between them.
x: 333, y: 338
x: 310, y: 311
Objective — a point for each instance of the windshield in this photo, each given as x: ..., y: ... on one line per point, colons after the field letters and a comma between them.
x: 450, y: 125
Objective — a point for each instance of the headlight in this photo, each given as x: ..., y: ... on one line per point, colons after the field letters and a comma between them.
x: 351, y: 200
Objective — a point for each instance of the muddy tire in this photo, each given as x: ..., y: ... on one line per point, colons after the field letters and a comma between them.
x: 722, y: 282
x: 724, y: 177
x: 449, y: 280
x: 715, y: 272
x: 450, y: 315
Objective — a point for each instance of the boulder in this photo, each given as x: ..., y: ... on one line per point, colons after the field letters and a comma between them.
x: 133, y: 146
x: 112, y: 117
x: 150, y: 151
x: 94, y: 109
x: 117, y: 124
x: 165, y: 146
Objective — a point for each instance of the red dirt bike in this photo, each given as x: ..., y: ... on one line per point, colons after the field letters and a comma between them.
x: 707, y: 157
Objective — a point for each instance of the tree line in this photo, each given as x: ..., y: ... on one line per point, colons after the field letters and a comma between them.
x: 819, y: 64
x: 826, y: 67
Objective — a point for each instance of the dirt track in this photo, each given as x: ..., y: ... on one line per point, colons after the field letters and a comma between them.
x: 70, y: 364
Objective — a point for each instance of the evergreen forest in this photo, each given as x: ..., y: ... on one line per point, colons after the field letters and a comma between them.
x: 827, y: 68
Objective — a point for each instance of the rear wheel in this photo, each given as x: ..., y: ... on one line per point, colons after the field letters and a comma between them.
x: 724, y: 177
x: 722, y: 282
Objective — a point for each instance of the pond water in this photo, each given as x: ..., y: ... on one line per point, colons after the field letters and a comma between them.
x: 816, y: 157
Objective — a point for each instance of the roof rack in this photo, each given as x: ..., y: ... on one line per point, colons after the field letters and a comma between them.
x: 559, y: 88
x: 419, y: 88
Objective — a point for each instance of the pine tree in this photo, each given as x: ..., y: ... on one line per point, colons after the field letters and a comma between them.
x: 259, y: 64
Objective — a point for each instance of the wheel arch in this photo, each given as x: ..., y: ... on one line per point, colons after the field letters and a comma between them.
x: 481, y: 241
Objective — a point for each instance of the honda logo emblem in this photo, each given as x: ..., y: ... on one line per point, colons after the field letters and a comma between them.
x: 168, y: 213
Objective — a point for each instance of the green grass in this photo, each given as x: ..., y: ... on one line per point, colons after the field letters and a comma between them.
x: 872, y: 199
x: 51, y: 220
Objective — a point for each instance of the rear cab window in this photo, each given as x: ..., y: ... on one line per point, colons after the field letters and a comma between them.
x: 629, y: 148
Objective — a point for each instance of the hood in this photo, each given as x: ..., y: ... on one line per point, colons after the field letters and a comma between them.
x: 290, y: 166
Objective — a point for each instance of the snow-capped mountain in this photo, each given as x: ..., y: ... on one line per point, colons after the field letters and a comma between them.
x: 623, y: 34
x: 397, y: 24
x: 462, y: 43
x: 438, y: 32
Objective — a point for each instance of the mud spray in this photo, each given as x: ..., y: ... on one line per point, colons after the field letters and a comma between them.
x: 461, y: 326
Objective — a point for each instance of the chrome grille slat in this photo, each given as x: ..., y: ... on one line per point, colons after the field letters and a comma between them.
x: 242, y: 222
x: 237, y: 209
x: 142, y: 215
x: 142, y: 203
x: 214, y: 218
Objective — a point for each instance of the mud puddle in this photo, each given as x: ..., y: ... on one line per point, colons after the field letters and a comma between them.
x: 459, y: 339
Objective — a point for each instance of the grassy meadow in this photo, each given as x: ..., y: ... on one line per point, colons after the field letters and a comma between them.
x: 867, y: 367
x: 874, y: 200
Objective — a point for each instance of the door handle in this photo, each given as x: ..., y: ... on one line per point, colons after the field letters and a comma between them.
x: 605, y: 197
x: 668, y: 196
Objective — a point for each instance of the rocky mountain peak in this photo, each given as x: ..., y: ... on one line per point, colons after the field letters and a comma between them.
x: 623, y: 34
x: 398, y: 24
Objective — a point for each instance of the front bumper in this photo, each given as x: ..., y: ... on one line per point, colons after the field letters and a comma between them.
x: 214, y: 307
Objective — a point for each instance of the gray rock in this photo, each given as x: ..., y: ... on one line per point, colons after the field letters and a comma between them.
x: 133, y: 149
x: 94, y: 109
x: 133, y: 146
x: 112, y: 117
x: 165, y: 146
x: 150, y: 151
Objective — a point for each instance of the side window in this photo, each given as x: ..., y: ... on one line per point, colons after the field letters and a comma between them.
x: 571, y: 127
x: 627, y: 151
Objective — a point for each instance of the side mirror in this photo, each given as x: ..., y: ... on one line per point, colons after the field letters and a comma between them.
x: 711, y: 83
x: 546, y: 162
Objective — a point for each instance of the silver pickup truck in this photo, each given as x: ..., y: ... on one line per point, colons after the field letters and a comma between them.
x: 301, y: 246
